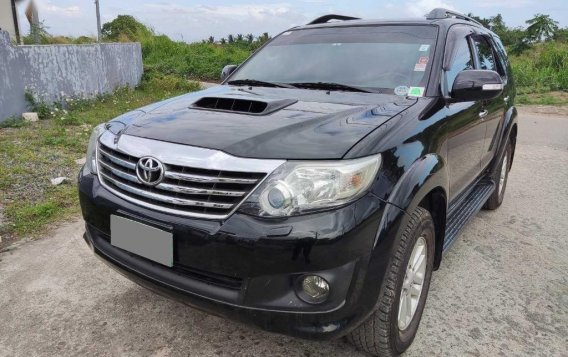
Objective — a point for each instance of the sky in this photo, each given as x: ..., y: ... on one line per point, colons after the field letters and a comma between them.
x: 191, y: 20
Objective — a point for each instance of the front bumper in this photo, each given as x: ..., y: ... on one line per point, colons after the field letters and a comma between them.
x: 245, y: 268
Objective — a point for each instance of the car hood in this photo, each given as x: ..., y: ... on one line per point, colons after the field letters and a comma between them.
x: 302, y: 124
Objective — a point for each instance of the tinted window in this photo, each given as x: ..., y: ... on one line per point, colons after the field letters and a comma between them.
x: 385, y: 57
x: 462, y: 60
x: 484, y: 54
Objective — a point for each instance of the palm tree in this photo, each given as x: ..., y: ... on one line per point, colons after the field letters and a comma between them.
x: 231, y: 38
x: 211, y: 39
x: 223, y: 41
x: 239, y: 37
x: 541, y: 27
x: 250, y: 37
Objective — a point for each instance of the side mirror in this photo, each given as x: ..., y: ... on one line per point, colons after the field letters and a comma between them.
x: 227, y: 70
x: 473, y: 85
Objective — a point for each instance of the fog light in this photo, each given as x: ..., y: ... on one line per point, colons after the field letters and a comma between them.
x: 315, y: 289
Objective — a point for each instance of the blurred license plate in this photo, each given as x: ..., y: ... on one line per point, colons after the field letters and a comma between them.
x: 143, y: 240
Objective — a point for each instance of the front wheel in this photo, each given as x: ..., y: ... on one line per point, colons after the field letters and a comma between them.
x: 501, y: 176
x: 391, y: 329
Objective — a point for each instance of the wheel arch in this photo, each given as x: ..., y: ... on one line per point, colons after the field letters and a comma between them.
x: 513, y: 139
x: 425, y: 184
x: 509, y: 133
x: 436, y: 203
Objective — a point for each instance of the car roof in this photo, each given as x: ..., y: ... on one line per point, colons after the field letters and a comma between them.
x: 446, y: 23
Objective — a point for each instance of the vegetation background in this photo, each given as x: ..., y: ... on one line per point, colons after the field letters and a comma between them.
x: 538, y: 53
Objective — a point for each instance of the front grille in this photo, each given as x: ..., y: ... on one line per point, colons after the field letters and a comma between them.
x: 184, y: 190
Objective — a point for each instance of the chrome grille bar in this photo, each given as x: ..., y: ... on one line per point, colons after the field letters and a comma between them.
x: 166, y: 199
x: 117, y: 160
x: 207, y: 179
x: 197, y: 191
x: 121, y: 174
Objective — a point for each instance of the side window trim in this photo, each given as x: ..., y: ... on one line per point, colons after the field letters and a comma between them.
x: 499, y: 56
x: 473, y: 51
x: 458, y: 32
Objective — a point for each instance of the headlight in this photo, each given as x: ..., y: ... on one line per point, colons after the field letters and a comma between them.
x: 91, y: 165
x: 300, y: 187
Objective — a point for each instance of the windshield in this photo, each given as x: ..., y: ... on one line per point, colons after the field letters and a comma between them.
x: 389, y: 59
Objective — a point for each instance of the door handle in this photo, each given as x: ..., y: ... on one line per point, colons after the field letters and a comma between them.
x: 483, y: 114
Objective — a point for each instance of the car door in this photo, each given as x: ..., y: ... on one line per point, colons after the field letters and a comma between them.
x: 465, y: 129
x: 492, y: 111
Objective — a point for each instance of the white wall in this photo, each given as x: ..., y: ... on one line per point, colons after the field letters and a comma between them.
x: 7, y: 19
x: 53, y: 71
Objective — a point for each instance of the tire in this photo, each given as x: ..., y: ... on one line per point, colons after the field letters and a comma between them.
x: 381, y: 334
x: 501, y: 177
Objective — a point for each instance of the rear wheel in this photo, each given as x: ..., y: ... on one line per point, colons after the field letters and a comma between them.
x: 391, y: 329
x: 500, y: 177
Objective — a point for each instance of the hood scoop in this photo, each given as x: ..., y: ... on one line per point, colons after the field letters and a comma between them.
x: 242, y: 105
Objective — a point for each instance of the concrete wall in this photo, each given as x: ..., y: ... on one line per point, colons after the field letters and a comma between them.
x: 54, y: 71
x: 7, y: 18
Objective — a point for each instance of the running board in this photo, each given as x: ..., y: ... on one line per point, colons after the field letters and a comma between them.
x: 464, y: 212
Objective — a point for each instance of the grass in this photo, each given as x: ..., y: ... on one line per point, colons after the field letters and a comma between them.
x: 33, y: 153
x: 541, y: 69
x: 547, y: 98
x: 199, y: 61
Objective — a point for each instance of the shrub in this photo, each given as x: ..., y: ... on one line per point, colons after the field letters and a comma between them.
x: 543, y: 68
x: 168, y: 83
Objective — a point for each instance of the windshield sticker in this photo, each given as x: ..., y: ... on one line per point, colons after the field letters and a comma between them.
x: 419, y: 67
x: 416, y: 92
x: 424, y: 48
x: 401, y: 90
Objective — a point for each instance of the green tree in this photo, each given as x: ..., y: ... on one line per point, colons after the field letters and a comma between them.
x: 263, y: 38
x: 497, y: 25
x: 541, y: 28
x: 125, y: 27
x: 561, y: 35
x: 211, y: 39
x: 481, y: 20
x: 250, y: 38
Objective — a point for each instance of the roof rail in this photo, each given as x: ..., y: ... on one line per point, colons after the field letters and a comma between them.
x: 327, y: 18
x: 441, y: 13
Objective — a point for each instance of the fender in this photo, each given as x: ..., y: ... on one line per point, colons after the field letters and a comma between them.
x: 424, y: 175
x: 510, y: 120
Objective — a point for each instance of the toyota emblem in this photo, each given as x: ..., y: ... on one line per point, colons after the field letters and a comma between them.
x: 150, y: 171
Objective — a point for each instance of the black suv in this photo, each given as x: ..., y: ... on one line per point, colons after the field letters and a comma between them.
x: 313, y: 192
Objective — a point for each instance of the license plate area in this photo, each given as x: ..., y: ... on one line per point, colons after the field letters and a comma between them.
x: 141, y: 239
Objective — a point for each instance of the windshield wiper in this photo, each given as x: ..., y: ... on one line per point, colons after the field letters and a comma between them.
x: 255, y: 82
x: 332, y: 86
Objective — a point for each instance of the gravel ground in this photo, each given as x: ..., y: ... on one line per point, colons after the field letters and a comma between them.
x: 502, y: 289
